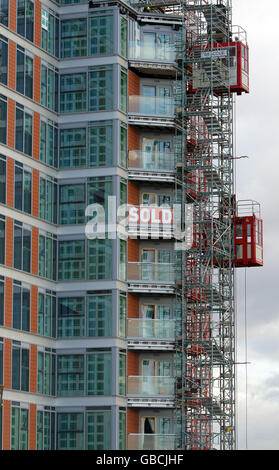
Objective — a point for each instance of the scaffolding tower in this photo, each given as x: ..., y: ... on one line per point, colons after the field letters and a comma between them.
x: 205, y: 113
x: 205, y: 342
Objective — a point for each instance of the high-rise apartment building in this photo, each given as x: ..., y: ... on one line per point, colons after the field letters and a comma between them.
x: 119, y: 342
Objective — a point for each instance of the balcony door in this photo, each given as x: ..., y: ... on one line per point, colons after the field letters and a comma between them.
x: 149, y: 371
x: 153, y: 373
x: 155, y: 431
x: 156, y: 322
x: 156, y: 265
x: 156, y: 46
x: 156, y: 100
x: 155, y: 154
x: 148, y: 315
x: 148, y: 256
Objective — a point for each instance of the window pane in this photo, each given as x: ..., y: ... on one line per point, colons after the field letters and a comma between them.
x: 101, y: 89
x: 20, y: 59
x: 18, y: 187
x: 28, y: 123
x: 2, y: 179
x: 70, y: 379
x: 71, y: 317
x: 98, y: 374
x: 72, y: 148
x: 26, y: 250
x: 73, y: 38
x: 16, y: 368
x: 99, y: 315
x: 101, y: 35
x: 25, y: 370
x: 4, y: 12
x: 73, y: 93
x: 27, y: 191
x: 3, y: 121
x: 70, y: 431
x: 100, y: 145
x: 17, y: 307
x: 99, y: 255
x: 2, y: 303
x: 17, y: 247
x: 29, y: 77
x: 71, y: 260
x: 98, y: 430
x: 72, y: 204
x: 2, y: 242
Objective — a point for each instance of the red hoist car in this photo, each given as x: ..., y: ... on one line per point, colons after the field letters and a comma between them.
x: 248, y: 236
x: 229, y: 64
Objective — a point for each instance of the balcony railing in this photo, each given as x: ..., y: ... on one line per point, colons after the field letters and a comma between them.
x: 150, y: 386
x: 152, y: 442
x: 143, y: 51
x: 151, y: 161
x: 152, y: 329
x: 151, y: 272
x: 157, y: 106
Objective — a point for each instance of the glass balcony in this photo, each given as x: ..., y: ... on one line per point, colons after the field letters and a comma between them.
x: 151, y: 272
x: 142, y: 51
x: 150, y: 386
x: 152, y: 442
x: 151, y: 161
x: 153, y: 329
x: 157, y: 106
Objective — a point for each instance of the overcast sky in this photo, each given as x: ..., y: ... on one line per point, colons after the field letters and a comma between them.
x: 257, y: 178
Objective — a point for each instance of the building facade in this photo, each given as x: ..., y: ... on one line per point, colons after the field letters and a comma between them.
x: 91, y: 329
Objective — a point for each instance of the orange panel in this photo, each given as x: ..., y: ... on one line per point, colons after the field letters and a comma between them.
x: 33, y: 368
x: 38, y: 23
x: 32, y: 426
x: 132, y: 363
x: 132, y: 421
x: 8, y: 302
x: 133, y: 139
x: 37, y: 79
x: 12, y: 65
x: 133, y: 194
x: 133, y: 250
x: 133, y: 84
x: 132, y: 306
x: 12, y: 14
